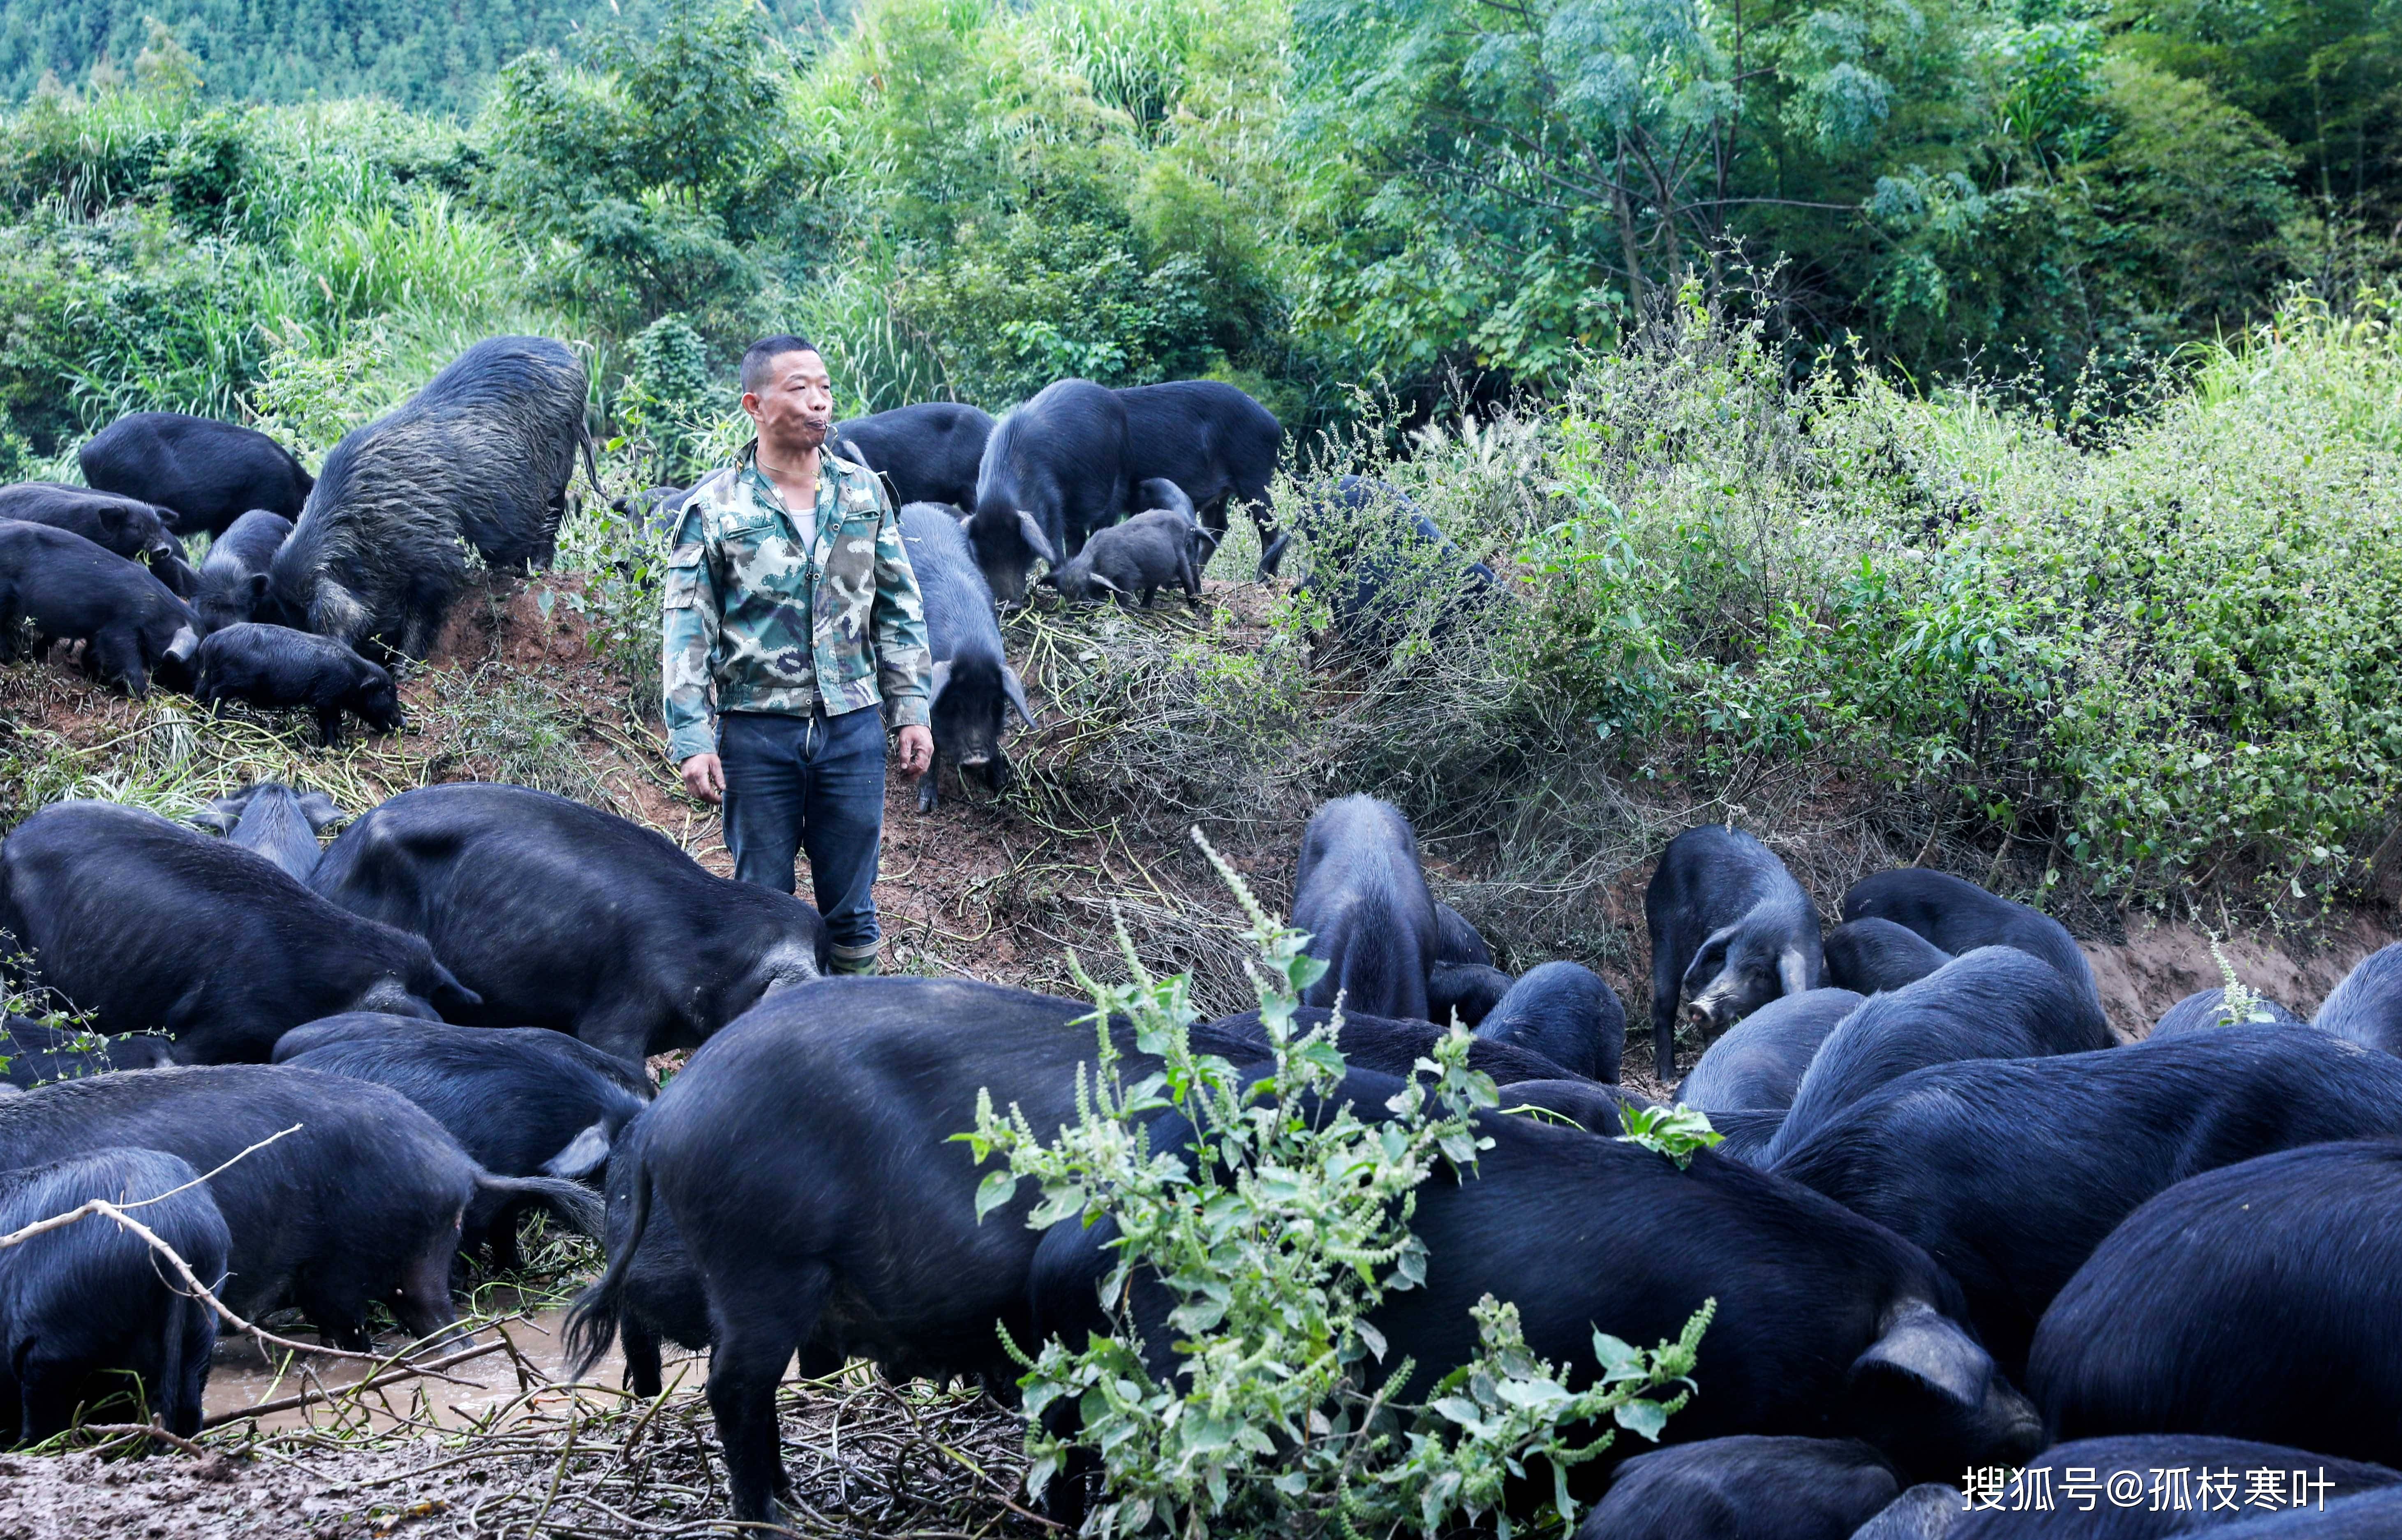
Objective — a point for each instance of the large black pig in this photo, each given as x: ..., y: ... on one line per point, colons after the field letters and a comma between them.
x: 1219, y: 446
x: 480, y: 458
x: 2253, y: 1302
x: 927, y: 454
x: 210, y: 473
x: 560, y: 915
x: 1054, y: 471
x: 361, y: 1205
x: 2011, y: 1171
x: 145, y: 923
x: 847, y: 1223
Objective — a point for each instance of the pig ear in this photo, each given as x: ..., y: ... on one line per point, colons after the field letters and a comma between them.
x: 319, y: 811
x: 257, y: 587
x: 1922, y: 1352
x: 1031, y: 532
x: 450, y: 995
x: 1793, y: 971
x: 1014, y: 689
x: 1708, y: 961
x: 212, y: 817
x: 583, y: 1155
x: 942, y: 682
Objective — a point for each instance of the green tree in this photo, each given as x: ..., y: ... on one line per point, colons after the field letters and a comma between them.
x: 657, y: 165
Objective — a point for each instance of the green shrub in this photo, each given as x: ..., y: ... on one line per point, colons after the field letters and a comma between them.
x: 1013, y: 307
x: 672, y: 398
x: 1278, y: 1233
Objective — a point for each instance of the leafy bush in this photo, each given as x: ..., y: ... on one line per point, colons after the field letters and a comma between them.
x: 1278, y: 1232
x: 671, y: 398
x: 1012, y: 309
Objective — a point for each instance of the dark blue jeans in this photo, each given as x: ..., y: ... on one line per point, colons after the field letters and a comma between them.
x: 812, y: 783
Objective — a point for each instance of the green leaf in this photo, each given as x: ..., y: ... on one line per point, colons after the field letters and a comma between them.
x: 995, y: 1190
x: 1647, y: 1418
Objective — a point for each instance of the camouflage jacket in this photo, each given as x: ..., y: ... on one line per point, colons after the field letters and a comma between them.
x: 775, y: 626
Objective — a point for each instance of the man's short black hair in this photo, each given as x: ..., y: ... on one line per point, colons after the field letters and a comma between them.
x: 759, y: 354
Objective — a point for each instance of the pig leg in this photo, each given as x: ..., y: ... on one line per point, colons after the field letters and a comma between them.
x: 116, y: 658
x: 645, y: 1375
x: 761, y: 1315
x: 1667, y: 980
x: 51, y: 1392
x: 421, y: 1303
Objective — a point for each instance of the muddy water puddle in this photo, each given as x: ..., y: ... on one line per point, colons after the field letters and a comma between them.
x: 531, y: 1369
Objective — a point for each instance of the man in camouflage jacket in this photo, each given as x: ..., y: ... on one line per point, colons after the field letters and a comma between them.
x: 789, y: 596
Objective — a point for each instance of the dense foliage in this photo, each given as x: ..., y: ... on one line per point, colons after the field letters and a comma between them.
x: 1278, y: 1230
x: 1990, y: 401
x: 416, y: 55
x: 969, y: 199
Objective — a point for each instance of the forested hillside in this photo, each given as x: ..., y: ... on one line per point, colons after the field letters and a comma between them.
x: 437, y: 58
x: 1830, y: 381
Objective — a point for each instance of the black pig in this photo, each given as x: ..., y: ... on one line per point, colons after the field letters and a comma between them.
x: 90, y: 1312
x: 1758, y: 1064
x: 210, y: 473
x: 2206, y: 1008
x: 361, y: 1204
x: 560, y: 915
x: 1993, y: 1003
x: 521, y: 1101
x: 1567, y: 1013
x: 2010, y: 1172
x: 2366, y: 1008
x: 974, y: 684
x: 2253, y: 1302
x: 1746, y: 1487
x: 38, y: 1052
x: 146, y: 924
x: 1869, y: 955
x: 72, y: 590
x: 1468, y: 991
x: 232, y: 584
x: 272, y: 821
x: 125, y: 526
x: 478, y: 459
x: 1054, y: 471
x: 927, y: 454
x: 1731, y: 931
x: 1959, y: 916
x: 1134, y: 560
x: 1219, y: 446
x: 849, y: 1225
x: 275, y: 666
x: 1360, y: 892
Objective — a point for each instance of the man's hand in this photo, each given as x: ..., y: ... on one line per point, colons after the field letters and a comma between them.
x: 705, y: 778
x: 915, y: 743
